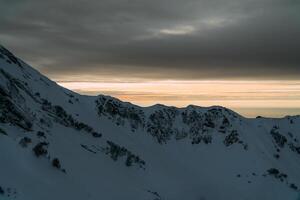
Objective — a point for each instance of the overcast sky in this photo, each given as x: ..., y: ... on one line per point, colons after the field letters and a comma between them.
x: 156, y: 39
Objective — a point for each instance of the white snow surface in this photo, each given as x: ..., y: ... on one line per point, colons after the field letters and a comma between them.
x: 192, y: 153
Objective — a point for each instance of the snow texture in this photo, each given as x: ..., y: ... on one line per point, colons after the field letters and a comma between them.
x: 57, y: 144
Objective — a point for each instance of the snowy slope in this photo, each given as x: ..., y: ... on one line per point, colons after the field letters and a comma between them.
x: 56, y: 144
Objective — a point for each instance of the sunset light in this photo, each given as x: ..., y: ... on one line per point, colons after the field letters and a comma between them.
x: 264, y: 96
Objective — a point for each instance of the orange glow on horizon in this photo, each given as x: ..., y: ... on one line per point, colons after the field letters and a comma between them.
x: 241, y: 95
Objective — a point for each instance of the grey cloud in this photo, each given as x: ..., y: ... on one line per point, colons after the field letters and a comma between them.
x: 232, y: 39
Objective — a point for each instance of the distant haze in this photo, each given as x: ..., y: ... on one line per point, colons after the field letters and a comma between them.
x: 249, y: 98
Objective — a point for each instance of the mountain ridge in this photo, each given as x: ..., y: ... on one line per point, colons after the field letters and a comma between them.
x: 56, y: 143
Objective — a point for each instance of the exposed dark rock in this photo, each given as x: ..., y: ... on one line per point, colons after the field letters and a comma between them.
x: 10, y: 113
x: 1, y: 191
x: 232, y: 138
x: 62, y: 117
x: 120, y: 113
x: 206, y: 139
x: 87, y: 148
x: 279, y: 139
x: 160, y: 124
x: 273, y: 171
x: 293, y: 186
x: 11, y: 58
x: 277, y: 156
x: 155, y: 194
x: 25, y: 141
x: 41, y: 134
x: 115, y: 151
x: 41, y: 149
x: 97, y: 135
x: 294, y: 148
x: 2, y: 132
x: 56, y: 163
x: 277, y: 174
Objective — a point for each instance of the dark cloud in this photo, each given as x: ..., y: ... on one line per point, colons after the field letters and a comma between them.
x: 176, y: 39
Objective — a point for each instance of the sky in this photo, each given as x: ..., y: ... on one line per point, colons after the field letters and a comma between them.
x: 242, y: 54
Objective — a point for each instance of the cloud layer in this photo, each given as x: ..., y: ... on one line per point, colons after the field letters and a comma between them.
x: 158, y: 39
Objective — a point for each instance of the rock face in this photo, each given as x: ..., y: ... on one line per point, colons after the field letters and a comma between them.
x: 109, y: 149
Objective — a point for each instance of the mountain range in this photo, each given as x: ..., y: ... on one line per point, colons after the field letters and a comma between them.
x: 57, y: 144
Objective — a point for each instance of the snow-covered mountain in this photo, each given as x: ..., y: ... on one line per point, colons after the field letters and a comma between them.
x: 57, y: 144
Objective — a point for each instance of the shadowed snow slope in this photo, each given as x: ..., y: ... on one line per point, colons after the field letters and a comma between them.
x: 57, y: 144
